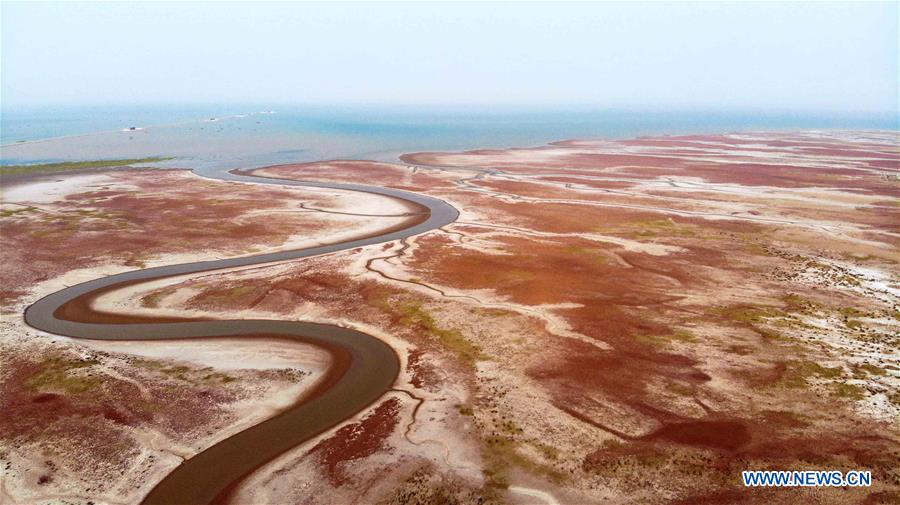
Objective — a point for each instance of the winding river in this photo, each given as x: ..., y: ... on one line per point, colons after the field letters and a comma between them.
x: 363, y: 367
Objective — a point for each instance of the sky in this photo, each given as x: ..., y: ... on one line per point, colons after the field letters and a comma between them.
x: 769, y: 55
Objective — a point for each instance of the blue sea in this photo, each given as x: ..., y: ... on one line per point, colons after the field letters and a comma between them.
x: 245, y: 136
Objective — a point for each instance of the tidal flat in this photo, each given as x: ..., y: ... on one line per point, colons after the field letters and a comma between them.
x: 628, y: 321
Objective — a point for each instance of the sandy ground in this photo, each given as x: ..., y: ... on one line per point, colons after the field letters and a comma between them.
x: 48, y: 191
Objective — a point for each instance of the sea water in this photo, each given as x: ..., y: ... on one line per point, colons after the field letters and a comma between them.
x: 248, y: 136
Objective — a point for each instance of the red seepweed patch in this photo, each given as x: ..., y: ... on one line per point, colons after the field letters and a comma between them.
x: 356, y: 441
x: 727, y: 435
x: 423, y: 374
x: 185, y: 213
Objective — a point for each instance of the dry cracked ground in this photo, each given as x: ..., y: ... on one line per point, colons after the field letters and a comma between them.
x: 628, y: 321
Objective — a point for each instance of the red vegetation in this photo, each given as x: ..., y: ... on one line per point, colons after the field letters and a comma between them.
x: 728, y: 435
x: 184, y: 213
x: 423, y: 374
x: 59, y: 389
x: 68, y: 405
x: 356, y: 441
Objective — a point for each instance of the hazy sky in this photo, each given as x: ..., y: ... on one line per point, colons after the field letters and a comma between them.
x: 834, y: 56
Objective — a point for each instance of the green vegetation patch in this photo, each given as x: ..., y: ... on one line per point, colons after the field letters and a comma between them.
x: 197, y: 377
x: 757, y: 249
x: 851, y: 312
x: 657, y: 223
x: 465, y: 410
x: 16, y: 212
x: 217, y: 377
x: 850, y: 280
x: 854, y: 324
x: 500, y: 452
x: 751, y: 314
x: 680, y: 389
x: 799, y: 372
x: 894, y: 397
x: 868, y: 369
x: 75, y: 165
x: 152, y: 300
x: 412, y: 314
x: 797, y: 303
x: 657, y: 227
x: 682, y: 336
x: 62, y: 374
x: 225, y: 295
x: 239, y: 291
x: 849, y: 391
